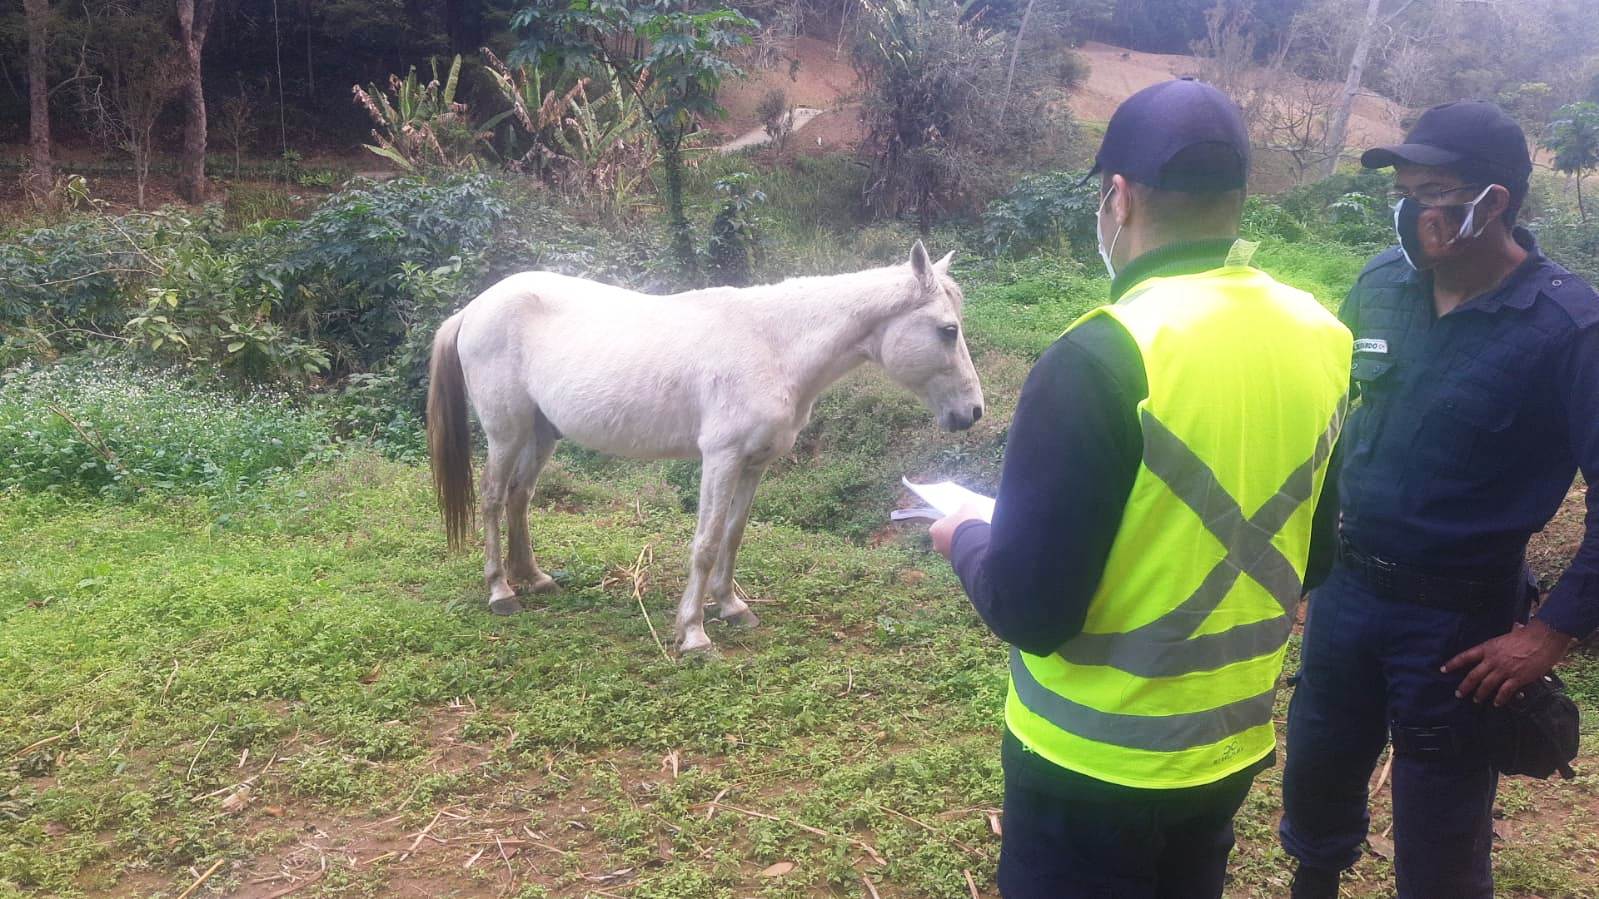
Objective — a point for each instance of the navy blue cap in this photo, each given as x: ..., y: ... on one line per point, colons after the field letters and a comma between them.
x: 1474, y: 137
x: 1153, y: 127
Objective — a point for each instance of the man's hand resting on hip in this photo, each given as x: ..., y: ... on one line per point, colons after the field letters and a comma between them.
x: 1499, y: 667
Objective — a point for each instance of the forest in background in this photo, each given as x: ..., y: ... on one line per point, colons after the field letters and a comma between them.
x: 273, y: 77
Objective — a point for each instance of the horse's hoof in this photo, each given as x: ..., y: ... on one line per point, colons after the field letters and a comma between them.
x: 505, y: 605
x: 544, y: 584
x: 701, y: 648
x: 745, y: 619
x: 702, y: 656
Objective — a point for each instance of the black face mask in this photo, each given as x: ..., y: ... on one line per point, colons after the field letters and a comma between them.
x: 1407, y: 224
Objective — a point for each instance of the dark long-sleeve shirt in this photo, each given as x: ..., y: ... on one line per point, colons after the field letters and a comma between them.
x: 1470, y: 427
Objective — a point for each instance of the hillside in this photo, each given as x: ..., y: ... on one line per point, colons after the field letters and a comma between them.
x: 825, y: 80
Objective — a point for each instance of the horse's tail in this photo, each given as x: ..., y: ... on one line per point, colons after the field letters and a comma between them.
x: 449, y: 435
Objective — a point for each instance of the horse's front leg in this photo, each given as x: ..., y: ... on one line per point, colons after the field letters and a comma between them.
x: 718, y: 482
x: 732, y: 609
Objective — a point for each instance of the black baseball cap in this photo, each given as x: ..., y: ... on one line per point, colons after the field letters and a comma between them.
x: 1151, y: 131
x: 1474, y: 137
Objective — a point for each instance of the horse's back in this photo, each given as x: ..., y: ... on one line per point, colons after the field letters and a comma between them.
x: 615, y: 370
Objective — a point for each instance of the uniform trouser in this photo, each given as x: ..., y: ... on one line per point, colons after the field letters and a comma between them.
x: 1370, y: 669
x: 1169, y: 848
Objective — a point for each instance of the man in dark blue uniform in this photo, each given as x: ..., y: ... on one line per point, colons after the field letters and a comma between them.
x: 1477, y: 371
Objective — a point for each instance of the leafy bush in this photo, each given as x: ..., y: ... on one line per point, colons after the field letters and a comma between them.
x: 735, y: 232
x: 1265, y: 220
x: 379, y: 261
x: 941, y: 112
x: 1044, y: 212
x: 339, y: 292
x: 1351, y: 209
x: 1571, y: 242
x: 108, y: 429
x: 587, y: 136
x: 65, y: 285
x: 421, y: 125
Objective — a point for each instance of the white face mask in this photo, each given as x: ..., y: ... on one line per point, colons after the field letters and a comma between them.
x: 1471, y: 216
x: 1104, y: 252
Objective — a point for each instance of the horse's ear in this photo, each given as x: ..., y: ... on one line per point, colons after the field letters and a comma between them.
x: 921, y: 265
x: 942, y: 265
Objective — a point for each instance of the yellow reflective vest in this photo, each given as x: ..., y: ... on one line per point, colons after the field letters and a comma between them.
x: 1171, y: 682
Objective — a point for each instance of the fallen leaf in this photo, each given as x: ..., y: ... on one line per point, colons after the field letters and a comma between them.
x: 995, y: 825
x: 54, y: 828
x: 778, y: 870
x: 1381, y: 845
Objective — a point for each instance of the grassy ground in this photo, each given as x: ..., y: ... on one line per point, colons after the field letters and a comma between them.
x: 296, y: 688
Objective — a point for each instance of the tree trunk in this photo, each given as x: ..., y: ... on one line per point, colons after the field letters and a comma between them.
x: 1338, y: 131
x: 1582, y: 210
x: 193, y: 18
x: 1015, y: 53
x: 682, y: 239
x: 41, y: 170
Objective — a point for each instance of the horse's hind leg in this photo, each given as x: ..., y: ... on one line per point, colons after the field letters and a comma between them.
x: 497, y: 479
x: 524, y: 569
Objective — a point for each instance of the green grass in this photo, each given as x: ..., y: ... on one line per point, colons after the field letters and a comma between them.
x: 148, y: 649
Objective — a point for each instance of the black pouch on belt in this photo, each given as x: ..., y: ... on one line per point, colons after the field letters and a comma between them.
x: 1537, y: 733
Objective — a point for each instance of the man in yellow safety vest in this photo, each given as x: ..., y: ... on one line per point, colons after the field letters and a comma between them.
x: 1153, y: 524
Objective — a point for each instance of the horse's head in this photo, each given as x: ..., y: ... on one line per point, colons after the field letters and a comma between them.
x: 924, y: 349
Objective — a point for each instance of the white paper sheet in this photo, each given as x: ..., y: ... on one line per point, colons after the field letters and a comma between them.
x: 945, y: 498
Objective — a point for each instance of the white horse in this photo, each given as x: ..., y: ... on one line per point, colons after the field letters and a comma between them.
x: 728, y: 375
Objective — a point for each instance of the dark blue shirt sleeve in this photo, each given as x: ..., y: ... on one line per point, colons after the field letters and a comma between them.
x: 1573, y: 606
x: 1324, y: 523
x: 1070, y: 460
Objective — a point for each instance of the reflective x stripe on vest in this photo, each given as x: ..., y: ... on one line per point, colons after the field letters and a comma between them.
x: 1166, y: 646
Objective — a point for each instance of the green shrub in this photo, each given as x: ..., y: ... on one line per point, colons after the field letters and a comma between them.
x: 735, y: 243
x: 1351, y: 209
x: 67, y: 284
x: 1053, y: 212
x: 104, y: 428
x: 1264, y: 220
x: 1571, y: 242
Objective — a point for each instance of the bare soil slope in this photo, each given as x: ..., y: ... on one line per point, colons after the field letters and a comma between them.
x: 826, y: 80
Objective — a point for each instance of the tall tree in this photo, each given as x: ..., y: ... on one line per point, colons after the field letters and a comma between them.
x: 1574, y: 138
x: 41, y: 170
x: 194, y: 18
x: 1338, y: 130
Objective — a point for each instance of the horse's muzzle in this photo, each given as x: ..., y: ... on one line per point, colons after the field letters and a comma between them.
x: 960, y: 421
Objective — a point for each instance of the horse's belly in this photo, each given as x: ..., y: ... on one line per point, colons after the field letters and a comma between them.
x: 630, y: 442
x: 634, y: 427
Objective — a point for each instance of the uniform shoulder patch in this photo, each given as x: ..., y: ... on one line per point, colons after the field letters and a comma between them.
x: 1574, y: 295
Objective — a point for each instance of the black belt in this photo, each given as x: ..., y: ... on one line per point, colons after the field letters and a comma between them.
x: 1403, y: 583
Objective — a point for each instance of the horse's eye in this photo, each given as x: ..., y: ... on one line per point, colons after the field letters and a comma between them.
x: 950, y: 332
